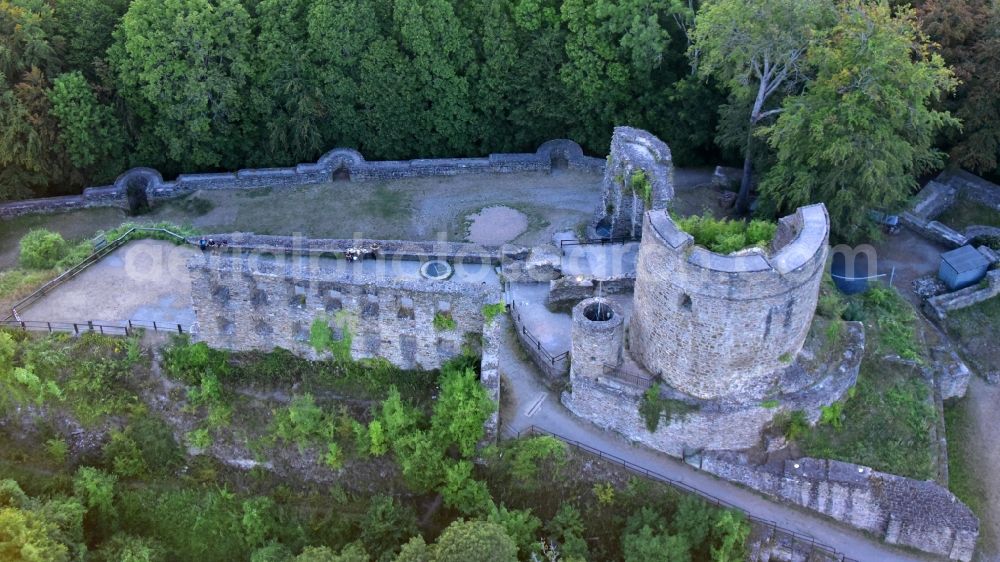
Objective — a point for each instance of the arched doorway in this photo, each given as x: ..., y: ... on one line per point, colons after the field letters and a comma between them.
x: 341, y: 174
x: 559, y: 162
x: 135, y: 193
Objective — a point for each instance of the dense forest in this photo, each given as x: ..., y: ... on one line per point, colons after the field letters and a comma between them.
x: 92, y: 87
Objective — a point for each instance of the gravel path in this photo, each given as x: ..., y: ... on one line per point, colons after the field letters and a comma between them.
x: 527, y: 402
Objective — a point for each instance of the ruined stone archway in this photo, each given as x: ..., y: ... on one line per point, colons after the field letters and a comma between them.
x: 341, y: 173
x: 135, y: 194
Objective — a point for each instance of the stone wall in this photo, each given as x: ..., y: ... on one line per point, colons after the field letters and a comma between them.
x: 718, y: 326
x: 338, y: 164
x: 716, y: 424
x: 973, y: 187
x: 913, y: 513
x: 941, y: 305
x: 493, y: 333
x: 622, y: 206
x: 257, y: 300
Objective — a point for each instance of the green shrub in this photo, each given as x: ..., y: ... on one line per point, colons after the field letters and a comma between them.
x: 726, y: 236
x: 654, y: 408
x: 42, y: 249
x: 302, y: 422
x: 199, y: 438
x: 444, y: 322
x: 798, y: 425
x: 642, y: 187
x: 334, y: 457
x: 831, y: 415
x: 189, y: 362
x: 491, y: 311
x: 527, y: 455
x: 57, y: 450
x: 321, y: 336
x: 770, y: 404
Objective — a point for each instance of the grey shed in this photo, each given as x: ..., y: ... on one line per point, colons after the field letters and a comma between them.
x: 962, y: 267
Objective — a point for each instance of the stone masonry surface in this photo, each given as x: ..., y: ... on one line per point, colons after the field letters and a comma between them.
x: 722, y: 326
x: 903, y: 511
x: 337, y: 163
x: 248, y: 300
x: 633, y: 151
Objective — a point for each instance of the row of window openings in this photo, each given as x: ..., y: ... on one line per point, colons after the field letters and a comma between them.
x: 372, y: 343
x: 332, y: 302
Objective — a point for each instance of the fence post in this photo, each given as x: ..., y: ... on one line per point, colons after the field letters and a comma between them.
x: 90, y: 325
x: 129, y: 324
x: 75, y: 329
x: 154, y: 326
x: 49, y: 324
x: 179, y: 329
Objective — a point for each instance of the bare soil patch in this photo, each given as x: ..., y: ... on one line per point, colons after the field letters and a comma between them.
x: 496, y: 225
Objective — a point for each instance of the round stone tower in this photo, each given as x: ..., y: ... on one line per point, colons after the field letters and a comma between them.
x: 723, y: 327
x: 598, y: 329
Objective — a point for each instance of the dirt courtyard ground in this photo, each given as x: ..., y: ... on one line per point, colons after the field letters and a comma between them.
x: 410, y: 209
x: 142, y: 280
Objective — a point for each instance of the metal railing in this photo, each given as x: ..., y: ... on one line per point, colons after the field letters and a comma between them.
x: 630, y: 377
x: 535, y: 342
x: 99, y: 252
x: 663, y: 479
x: 598, y: 241
x: 126, y: 328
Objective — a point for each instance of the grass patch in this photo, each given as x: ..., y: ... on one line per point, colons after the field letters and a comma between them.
x: 885, y: 423
x: 727, y: 236
x: 975, y: 328
x: 966, y: 212
x: 962, y: 478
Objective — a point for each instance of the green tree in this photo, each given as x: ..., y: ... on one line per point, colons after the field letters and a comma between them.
x: 440, y: 58
x: 757, y: 49
x: 42, y: 249
x: 460, y: 411
x: 96, y: 491
x: 183, y: 68
x: 474, y: 540
x: 89, y: 130
x: 968, y: 35
x: 864, y: 127
x: 287, y: 99
x: 339, y: 36
x: 386, y: 525
x: 87, y: 26
x: 130, y: 548
x: 521, y: 525
x: 26, y: 536
x: 463, y: 492
x: 567, y: 528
